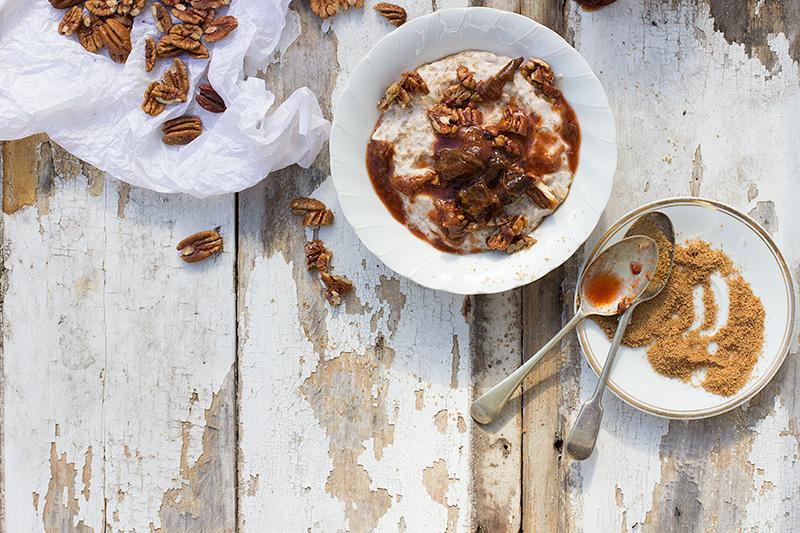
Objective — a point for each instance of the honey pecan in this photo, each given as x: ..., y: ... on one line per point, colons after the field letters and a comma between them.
x: 469, y: 116
x: 337, y: 286
x: 465, y: 77
x: 201, y: 245
x: 117, y: 38
x: 181, y: 130
x: 508, y: 229
x: 519, y: 243
x: 391, y: 12
x: 498, y: 241
x: 65, y: 4
x: 514, y: 121
x: 542, y: 195
x: 186, y: 31
x: 509, y: 145
x: 189, y: 15
x: 72, y: 20
x: 443, y: 119
x: 318, y: 218
x: 209, y: 4
x: 151, y: 106
x: 101, y: 8
x: 220, y: 28
x: 318, y: 257
x: 540, y: 75
x: 162, y: 18
x: 150, y: 55
x: 302, y: 205
x: 177, y: 76
x: 412, y: 82
x: 209, y: 99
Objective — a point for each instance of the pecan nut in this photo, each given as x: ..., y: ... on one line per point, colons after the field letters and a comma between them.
x: 514, y: 121
x: 318, y: 257
x: 469, y: 116
x: 318, y: 218
x: 185, y: 30
x: 161, y: 17
x: 336, y: 287
x: 466, y: 78
x: 117, y: 38
x: 101, y: 8
x: 519, y: 243
x: 89, y: 36
x: 328, y: 8
x: 443, y: 119
x: 209, y: 99
x: 171, y: 42
x: 508, y: 229
x: 540, y: 75
x: 151, y: 106
x: 200, y: 245
x: 150, y: 55
x: 410, y: 83
x: 209, y: 4
x: 73, y: 19
x: 542, y: 195
x: 181, y: 130
x: 219, y: 28
x: 177, y: 76
x: 391, y: 12
x: 509, y: 145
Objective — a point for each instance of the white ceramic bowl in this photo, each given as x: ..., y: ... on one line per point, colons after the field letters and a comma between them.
x: 427, y: 39
x: 752, y: 249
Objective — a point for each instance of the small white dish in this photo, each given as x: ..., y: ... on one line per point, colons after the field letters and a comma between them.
x: 426, y: 39
x: 752, y: 249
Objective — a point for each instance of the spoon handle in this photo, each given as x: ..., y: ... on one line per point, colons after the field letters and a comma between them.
x: 488, y: 406
x: 583, y: 436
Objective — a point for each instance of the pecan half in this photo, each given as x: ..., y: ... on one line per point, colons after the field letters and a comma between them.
x: 209, y: 99
x: 465, y: 77
x: 318, y: 257
x: 150, y: 55
x: 181, y: 130
x: 117, y: 38
x: 410, y: 83
x: 190, y: 15
x: 170, y: 42
x: 186, y: 31
x: 173, y: 3
x: 318, y: 218
x: 200, y: 53
x: 72, y: 20
x: 151, y: 106
x: 209, y: 4
x: 178, y: 76
x: 201, y: 245
x: 391, y: 12
x: 162, y: 18
x: 443, y: 119
x: 220, y: 28
x: 302, y: 205
x: 101, y: 8
x: 469, y: 116
x: 166, y: 94
x: 328, y: 8
x: 337, y: 286
x: 507, y: 144
x: 542, y: 195
x: 65, y: 4
x: 508, y: 228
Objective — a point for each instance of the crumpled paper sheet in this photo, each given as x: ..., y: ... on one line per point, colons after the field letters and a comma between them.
x: 91, y: 106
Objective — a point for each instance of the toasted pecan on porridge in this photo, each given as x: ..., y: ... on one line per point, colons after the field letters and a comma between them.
x: 472, y: 152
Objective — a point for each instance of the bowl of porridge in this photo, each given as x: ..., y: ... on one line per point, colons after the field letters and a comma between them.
x: 473, y: 150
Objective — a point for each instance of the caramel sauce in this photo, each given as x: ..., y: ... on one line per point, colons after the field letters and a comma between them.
x: 603, y: 288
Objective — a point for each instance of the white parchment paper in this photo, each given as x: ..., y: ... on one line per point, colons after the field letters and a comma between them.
x: 91, y: 106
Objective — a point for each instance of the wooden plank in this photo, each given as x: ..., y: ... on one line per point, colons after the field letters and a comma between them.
x: 702, y: 93
x: 357, y: 418
x: 112, y: 349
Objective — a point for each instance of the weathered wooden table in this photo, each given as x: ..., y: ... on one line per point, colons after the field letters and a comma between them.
x: 143, y: 394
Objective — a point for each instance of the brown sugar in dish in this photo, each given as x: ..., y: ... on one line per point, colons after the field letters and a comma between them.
x: 663, y: 323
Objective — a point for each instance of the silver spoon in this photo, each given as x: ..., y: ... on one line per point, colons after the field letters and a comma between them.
x: 614, y: 266
x: 583, y: 436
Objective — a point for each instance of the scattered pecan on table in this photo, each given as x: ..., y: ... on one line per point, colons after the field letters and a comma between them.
x: 392, y: 12
x: 171, y: 89
x: 201, y: 245
x: 327, y: 8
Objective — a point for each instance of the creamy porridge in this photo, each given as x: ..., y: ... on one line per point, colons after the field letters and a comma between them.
x: 472, y: 151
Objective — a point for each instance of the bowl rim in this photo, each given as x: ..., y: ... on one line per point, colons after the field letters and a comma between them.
x: 574, y: 244
x: 786, y: 342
